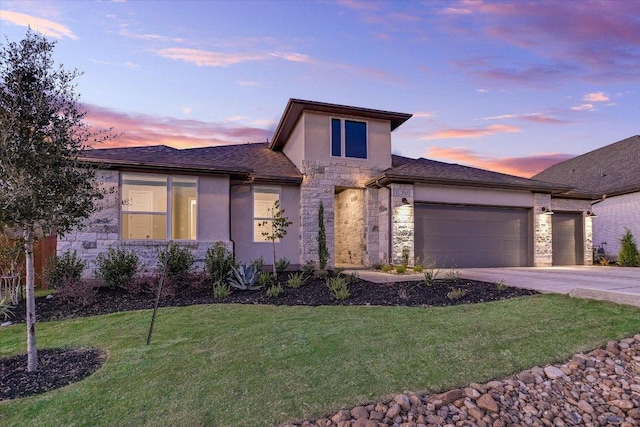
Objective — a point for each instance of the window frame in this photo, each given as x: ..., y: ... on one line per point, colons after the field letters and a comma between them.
x: 168, y: 208
x: 343, y: 138
x: 255, y: 219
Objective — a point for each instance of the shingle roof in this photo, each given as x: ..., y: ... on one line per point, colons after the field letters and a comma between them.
x: 240, y: 161
x: 611, y: 170
x: 430, y: 171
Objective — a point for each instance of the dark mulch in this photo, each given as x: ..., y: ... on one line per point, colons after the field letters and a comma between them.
x: 62, y: 367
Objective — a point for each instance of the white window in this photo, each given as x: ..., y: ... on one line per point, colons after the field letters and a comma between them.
x: 157, y: 206
x: 348, y: 139
x: 264, y: 199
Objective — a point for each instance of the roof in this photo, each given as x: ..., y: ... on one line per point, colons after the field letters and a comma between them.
x: 428, y: 171
x: 610, y: 170
x: 239, y: 161
x: 295, y: 108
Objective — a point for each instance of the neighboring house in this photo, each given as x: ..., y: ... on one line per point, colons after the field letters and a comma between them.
x: 378, y: 207
x: 613, y: 174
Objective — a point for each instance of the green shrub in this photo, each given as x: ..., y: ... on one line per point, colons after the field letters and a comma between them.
x: 244, y: 277
x: 309, y: 268
x: 265, y: 279
x: 418, y: 268
x: 221, y: 290
x: 339, y: 287
x: 628, y: 255
x: 282, y: 264
x: 296, y: 280
x: 452, y: 275
x: 274, y: 291
x: 401, y: 269
x: 179, y: 260
x: 456, y: 294
x: 117, y: 267
x: 63, y: 269
x: 218, y: 262
x: 387, y: 268
x: 501, y: 286
x: 430, y: 276
x: 259, y: 264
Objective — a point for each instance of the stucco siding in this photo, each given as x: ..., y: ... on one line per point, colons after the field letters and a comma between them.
x: 615, y: 215
x: 246, y: 250
x: 213, y: 209
x: 295, y: 147
x: 472, y: 196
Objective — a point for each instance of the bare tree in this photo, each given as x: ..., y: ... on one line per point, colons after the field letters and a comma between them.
x: 44, y: 186
x: 275, y: 229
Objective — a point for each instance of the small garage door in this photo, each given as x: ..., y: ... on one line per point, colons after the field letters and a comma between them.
x: 472, y: 236
x: 567, y: 239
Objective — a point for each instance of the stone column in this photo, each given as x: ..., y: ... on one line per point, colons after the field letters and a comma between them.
x: 542, y: 233
x: 402, y: 224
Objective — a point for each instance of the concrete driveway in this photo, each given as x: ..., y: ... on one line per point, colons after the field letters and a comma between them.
x: 617, y: 284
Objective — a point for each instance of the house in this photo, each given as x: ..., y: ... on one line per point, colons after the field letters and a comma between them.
x: 378, y: 207
x: 613, y: 174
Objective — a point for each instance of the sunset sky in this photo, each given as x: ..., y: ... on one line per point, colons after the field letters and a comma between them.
x: 511, y: 86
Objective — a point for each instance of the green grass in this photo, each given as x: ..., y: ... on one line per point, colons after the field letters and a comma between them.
x: 234, y: 365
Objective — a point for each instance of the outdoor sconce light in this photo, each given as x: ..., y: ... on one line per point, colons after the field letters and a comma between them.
x: 546, y: 211
x: 405, y: 201
x: 591, y: 214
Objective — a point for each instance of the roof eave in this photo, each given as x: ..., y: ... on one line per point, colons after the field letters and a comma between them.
x: 120, y: 164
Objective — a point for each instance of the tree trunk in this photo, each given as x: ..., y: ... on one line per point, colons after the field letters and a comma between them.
x: 275, y: 271
x: 32, y: 351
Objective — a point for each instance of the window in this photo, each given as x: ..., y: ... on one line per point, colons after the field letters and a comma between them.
x: 263, y: 201
x: 157, y: 206
x: 348, y: 137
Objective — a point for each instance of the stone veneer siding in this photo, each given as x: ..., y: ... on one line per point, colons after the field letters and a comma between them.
x: 402, y: 224
x: 102, y: 231
x: 350, y: 226
x: 542, y: 243
x: 320, y: 181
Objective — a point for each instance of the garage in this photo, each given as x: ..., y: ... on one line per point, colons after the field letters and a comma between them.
x: 567, y: 235
x: 472, y: 236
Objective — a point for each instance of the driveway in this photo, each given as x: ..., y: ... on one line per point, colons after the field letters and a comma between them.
x: 617, y: 284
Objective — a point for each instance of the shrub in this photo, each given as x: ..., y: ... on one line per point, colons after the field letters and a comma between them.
x: 265, y: 279
x: 387, y: 268
x: 259, y: 264
x: 452, y: 275
x: 274, y: 291
x: 628, y: 255
x: 309, y: 268
x: 6, y: 309
x: 418, y: 268
x: 501, y: 286
x: 401, y: 269
x: 244, y: 277
x: 221, y: 290
x: 64, y: 269
x: 179, y: 261
x: 430, y: 276
x: 323, y: 250
x: 339, y: 287
x: 77, y: 292
x: 218, y: 262
x: 282, y: 264
x: 296, y: 280
x: 456, y: 294
x: 377, y: 266
x: 117, y: 267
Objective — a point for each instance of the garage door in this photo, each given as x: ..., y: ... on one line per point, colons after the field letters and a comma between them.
x: 472, y: 236
x: 567, y: 244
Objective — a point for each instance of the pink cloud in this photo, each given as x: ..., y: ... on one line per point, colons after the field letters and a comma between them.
x: 583, y: 107
x: 144, y: 130
x: 519, y: 166
x: 203, y: 58
x: 44, y: 26
x: 530, y: 117
x: 595, y: 97
x: 470, y: 132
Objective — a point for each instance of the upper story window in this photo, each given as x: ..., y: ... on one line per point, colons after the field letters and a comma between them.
x: 157, y: 206
x: 348, y: 138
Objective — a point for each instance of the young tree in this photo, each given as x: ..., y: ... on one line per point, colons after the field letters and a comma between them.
x: 44, y: 188
x: 323, y: 251
x: 628, y: 255
x: 275, y: 228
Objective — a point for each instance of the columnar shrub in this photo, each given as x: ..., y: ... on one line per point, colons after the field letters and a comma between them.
x: 219, y: 261
x: 628, y: 255
x: 64, y: 269
x: 117, y: 267
x: 323, y: 251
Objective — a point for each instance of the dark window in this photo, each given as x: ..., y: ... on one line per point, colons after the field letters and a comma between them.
x: 336, y: 138
x: 355, y: 139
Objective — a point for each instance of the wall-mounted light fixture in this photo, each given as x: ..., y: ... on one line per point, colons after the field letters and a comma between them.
x: 405, y: 201
x: 591, y: 214
x: 546, y: 211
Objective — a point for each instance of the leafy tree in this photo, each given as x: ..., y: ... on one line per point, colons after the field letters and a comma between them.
x: 275, y: 228
x: 44, y: 187
x: 628, y: 255
x: 323, y: 251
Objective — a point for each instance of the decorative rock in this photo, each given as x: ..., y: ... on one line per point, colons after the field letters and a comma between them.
x: 472, y: 393
x: 359, y: 412
x: 403, y: 401
x: 393, y: 411
x: 553, y: 372
x: 451, y: 396
x: 622, y: 404
x: 5, y: 324
x: 342, y: 415
x: 487, y: 403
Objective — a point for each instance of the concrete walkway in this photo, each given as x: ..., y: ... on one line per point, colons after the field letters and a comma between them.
x: 616, y: 284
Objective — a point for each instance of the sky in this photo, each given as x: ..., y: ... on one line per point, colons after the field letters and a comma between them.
x: 509, y: 86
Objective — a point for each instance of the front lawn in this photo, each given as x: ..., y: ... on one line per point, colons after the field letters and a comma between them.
x: 245, y: 365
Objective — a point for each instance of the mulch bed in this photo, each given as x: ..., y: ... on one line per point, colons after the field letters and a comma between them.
x: 60, y: 367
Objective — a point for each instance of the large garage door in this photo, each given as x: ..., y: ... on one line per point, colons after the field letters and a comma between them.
x: 472, y: 236
x: 567, y: 239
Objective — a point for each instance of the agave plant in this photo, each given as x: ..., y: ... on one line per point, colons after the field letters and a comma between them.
x: 244, y: 277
